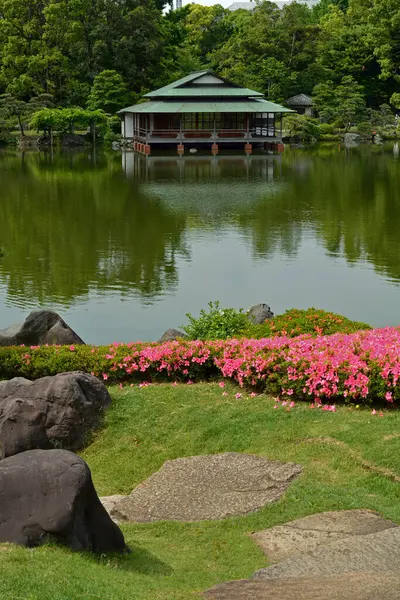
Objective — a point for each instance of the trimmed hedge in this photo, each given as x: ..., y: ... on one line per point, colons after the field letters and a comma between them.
x: 295, y: 322
x: 363, y: 366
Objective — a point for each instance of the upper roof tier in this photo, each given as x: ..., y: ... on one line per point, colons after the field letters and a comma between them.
x: 202, y: 83
x: 204, y: 92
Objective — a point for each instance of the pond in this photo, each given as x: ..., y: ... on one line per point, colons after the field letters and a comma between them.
x: 123, y: 246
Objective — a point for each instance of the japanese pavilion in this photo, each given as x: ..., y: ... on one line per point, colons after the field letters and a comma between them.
x: 203, y: 110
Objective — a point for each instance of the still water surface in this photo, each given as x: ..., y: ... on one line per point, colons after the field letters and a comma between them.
x: 123, y: 247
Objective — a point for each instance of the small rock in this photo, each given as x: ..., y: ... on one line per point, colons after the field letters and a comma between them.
x: 170, y: 335
x: 259, y: 314
x: 39, y: 328
x: 72, y: 140
x: 352, y: 139
x: 49, y: 494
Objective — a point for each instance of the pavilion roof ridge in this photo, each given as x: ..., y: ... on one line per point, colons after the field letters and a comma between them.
x: 178, y: 83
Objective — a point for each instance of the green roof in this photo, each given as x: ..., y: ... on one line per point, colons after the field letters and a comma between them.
x: 238, y: 106
x: 212, y: 95
x: 215, y: 91
x: 189, y: 78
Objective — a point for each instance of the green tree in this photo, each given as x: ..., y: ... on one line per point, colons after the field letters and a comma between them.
x: 13, y: 109
x: 343, y: 105
x: 108, y: 93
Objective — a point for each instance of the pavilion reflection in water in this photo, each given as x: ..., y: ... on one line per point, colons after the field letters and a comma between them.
x: 192, y: 168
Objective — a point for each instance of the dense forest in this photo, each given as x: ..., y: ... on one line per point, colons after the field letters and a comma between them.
x: 104, y: 54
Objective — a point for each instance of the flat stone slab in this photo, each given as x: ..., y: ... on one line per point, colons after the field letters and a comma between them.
x: 110, y: 503
x: 207, y: 487
x: 350, y: 586
x: 304, y: 535
x: 371, y: 553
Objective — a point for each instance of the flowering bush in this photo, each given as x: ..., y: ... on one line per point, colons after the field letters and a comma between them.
x: 295, y: 322
x: 363, y: 366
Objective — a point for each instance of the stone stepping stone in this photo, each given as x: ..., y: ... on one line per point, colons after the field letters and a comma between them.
x: 110, y: 502
x: 350, y: 586
x: 207, y: 487
x: 304, y: 535
x: 371, y: 553
x: 345, y: 555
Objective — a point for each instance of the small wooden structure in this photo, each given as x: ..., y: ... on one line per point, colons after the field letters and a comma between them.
x: 302, y: 104
x: 202, y: 109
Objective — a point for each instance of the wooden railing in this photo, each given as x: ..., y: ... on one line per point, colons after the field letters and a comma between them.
x: 205, y: 134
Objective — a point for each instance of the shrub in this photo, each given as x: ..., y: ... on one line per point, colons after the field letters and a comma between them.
x: 296, y: 322
x: 326, y: 128
x: 358, y: 367
x: 216, y: 324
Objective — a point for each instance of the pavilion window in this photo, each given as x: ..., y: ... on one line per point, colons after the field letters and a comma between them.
x: 197, y: 121
x: 263, y: 124
x: 233, y: 121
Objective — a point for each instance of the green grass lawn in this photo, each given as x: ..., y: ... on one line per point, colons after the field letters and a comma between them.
x: 350, y: 459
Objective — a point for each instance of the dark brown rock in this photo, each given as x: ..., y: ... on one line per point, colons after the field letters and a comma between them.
x: 39, y: 328
x: 170, y: 335
x: 259, y: 314
x: 50, y: 412
x: 350, y: 586
x: 215, y: 486
x: 49, y: 494
x: 304, y: 535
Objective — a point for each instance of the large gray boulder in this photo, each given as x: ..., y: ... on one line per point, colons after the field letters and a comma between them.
x: 39, y: 328
x: 259, y: 314
x: 49, y: 494
x: 50, y: 412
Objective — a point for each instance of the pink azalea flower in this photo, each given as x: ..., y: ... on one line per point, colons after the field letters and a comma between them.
x: 238, y: 395
x: 72, y: 348
x: 190, y: 382
x: 92, y: 373
x: 292, y: 404
x: 253, y: 395
x: 275, y: 406
x: 105, y: 376
x: 221, y: 384
x: 120, y: 386
x: 373, y: 412
x: 225, y: 393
